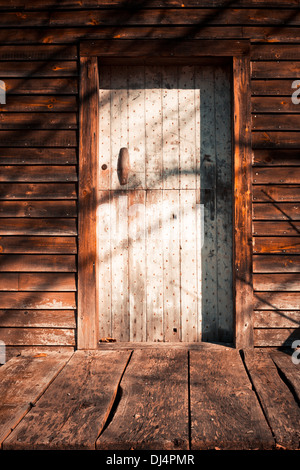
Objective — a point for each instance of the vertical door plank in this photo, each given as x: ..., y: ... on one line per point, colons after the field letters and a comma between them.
x: 104, y: 128
x: 153, y: 130
x: 119, y: 266
x: 171, y: 270
x: 119, y: 120
x: 137, y: 265
x: 170, y: 128
x: 187, y: 115
x: 224, y: 205
x: 104, y: 264
x: 136, y: 126
x: 204, y: 79
x: 154, y: 266
x: 188, y: 260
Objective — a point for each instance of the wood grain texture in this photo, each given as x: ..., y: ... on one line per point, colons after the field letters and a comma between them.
x: 21, y: 318
x: 276, y: 282
x: 223, y: 420
x: 276, y: 319
x: 276, y: 337
x: 31, y: 226
x: 88, y: 149
x: 242, y: 204
x: 289, y: 369
x: 38, y: 156
x: 38, y: 300
x: 276, y: 263
x: 38, y: 336
x: 23, y: 381
x: 42, y: 191
x: 152, y: 412
x: 277, y: 401
x: 72, y: 412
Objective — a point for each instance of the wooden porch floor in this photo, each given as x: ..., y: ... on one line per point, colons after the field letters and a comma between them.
x: 175, y: 398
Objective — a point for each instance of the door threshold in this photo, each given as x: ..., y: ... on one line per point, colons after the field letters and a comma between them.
x: 119, y: 345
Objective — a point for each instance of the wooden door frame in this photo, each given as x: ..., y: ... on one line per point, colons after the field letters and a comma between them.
x: 155, y: 51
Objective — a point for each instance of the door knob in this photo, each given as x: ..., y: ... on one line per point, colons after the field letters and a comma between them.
x: 123, y: 166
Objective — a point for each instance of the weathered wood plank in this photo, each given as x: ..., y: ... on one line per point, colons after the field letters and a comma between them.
x: 153, y: 410
x: 72, y: 35
x: 38, y: 156
x: 276, y: 319
x: 31, y: 69
x: 119, y: 4
x: 276, y: 263
x: 276, y: 245
x: 38, y: 263
x: 242, y: 202
x: 38, y: 336
x: 276, y: 157
x: 41, y: 86
x: 38, y: 300
x: 275, y: 52
x: 225, y: 413
x: 38, y: 190
x: 74, y: 409
x: 37, y: 318
x: 273, y: 122
x: 137, y: 16
x: 276, y: 300
x: 291, y: 228
x: 273, y: 104
x: 37, y: 282
x: 51, y: 245
x: 276, y: 175
x: 276, y: 211
x: 165, y: 48
x: 38, y: 52
x: 279, y: 282
x: 39, y: 103
x: 273, y: 337
x: 289, y: 369
x: 30, y: 226
x: 274, y: 193
x: 275, y: 139
x: 38, y: 138
x: 37, y: 120
x: 272, y: 87
x: 278, y: 403
x: 38, y: 209
x: 23, y: 379
x: 276, y: 70
x: 88, y: 325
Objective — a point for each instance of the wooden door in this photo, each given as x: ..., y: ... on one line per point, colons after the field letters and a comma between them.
x: 165, y: 232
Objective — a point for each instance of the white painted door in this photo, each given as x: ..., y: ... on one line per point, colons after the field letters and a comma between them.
x: 165, y: 230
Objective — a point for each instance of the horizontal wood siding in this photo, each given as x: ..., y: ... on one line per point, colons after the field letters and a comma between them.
x: 38, y: 195
x: 39, y: 147
x: 276, y: 194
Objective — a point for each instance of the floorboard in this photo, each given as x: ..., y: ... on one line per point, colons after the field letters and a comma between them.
x: 225, y: 413
x: 23, y: 379
x: 290, y: 370
x: 182, y: 397
x: 279, y: 405
x: 72, y: 412
x: 153, y: 407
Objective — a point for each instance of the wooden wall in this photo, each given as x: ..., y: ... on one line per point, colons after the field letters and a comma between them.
x: 39, y: 58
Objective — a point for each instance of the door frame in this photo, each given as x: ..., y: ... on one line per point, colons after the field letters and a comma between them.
x: 163, y: 51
